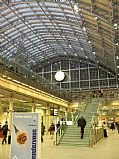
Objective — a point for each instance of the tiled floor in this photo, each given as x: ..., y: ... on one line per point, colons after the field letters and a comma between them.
x: 106, y: 149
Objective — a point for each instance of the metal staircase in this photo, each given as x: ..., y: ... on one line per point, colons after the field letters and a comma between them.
x: 72, y: 135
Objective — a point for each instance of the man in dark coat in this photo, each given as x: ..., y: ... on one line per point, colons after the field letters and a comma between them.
x: 82, y: 124
x: 42, y: 131
x: 4, y: 131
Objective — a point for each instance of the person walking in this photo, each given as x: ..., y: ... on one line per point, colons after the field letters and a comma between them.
x: 51, y: 130
x: 4, y: 131
x: 82, y: 124
x: 58, y: 127
x: 117, y: 125
x: 104, y: 127
x: 112, y: 126
x: 42, y: 131
x: 1, y: 134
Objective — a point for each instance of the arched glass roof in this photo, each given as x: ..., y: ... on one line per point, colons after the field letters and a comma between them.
x: 35, y: 31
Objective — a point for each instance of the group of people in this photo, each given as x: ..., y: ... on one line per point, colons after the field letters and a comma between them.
x: 112, y: 127
x: 115, y: 125
x: 3, y: 132
x: 52, y: 128
x: 96, y: 93
x: 82, y: 123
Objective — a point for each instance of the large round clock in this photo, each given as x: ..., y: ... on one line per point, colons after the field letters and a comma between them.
x: 59, y: 76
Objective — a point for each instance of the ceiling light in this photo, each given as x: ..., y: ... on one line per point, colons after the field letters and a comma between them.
x: 94, y: 53
x: 89, y: 42
x: 9, y: 78
x: 115, y: 28
x: 4, y: 76
x: 76, y: 8
x: 115, y: 24
x: 117, y: 66
x: 75, y: 54
x: 117, y: 57
x: 70, y: 46
x: 65, y: 53
x: 105, y: 107
x: 81, y: 48
x: 96, y: 18
x: 117, y: 44
x: 115, y: 103
x: 84, y: 29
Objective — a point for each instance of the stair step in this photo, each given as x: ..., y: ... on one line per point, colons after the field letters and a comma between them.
x: 76, y: 145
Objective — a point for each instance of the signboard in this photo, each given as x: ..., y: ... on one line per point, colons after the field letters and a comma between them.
x: 26, y: 136
x: 53, y: 112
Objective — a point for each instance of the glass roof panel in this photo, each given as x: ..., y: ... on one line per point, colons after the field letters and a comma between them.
x: 52, y: 28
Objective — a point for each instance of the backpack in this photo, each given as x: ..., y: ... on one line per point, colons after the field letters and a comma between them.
x: 4, y: 129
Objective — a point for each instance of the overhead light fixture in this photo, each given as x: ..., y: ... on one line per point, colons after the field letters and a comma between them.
x: 70, y: 46
x: 105, y: 107
x: 4, y: 76
x: 81, y: 48
x: 117, y: 44
x: 117, y: 57
x: 76, y: 8
x: 115, y: 24
x: 89, y: 42
x: 9, y: 78
x: 94, y: 53
x: 96, y: 18
x: 84, y: 29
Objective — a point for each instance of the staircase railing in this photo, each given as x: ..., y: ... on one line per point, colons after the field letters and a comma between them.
x: 96, y: 134
x: 60, y: 133
x: 22, y: 74
x: 78, y: 111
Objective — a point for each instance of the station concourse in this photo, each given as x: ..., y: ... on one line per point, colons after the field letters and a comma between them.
x: 60, y: 59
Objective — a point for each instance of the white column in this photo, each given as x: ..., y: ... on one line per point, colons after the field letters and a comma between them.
x: 34, y: 107
x: 47, y: 119
x: 11, y: 100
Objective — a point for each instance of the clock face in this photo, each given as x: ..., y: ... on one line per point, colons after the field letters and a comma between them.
x: 59, y: 76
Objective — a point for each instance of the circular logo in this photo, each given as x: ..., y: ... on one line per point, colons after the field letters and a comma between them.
x: 34, y: 119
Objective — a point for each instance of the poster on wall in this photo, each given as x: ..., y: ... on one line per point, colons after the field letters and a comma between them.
x: 25, y: 143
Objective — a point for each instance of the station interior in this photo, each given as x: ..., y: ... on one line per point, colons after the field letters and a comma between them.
x: 60, y: 58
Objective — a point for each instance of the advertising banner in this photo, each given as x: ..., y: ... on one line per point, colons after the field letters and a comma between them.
x: 25, y: 143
